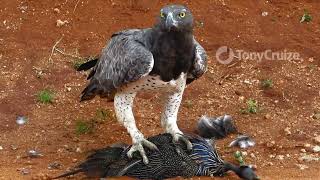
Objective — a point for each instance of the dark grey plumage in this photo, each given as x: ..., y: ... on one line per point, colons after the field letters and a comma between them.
x: 216, y: 128
x: 125, y: 59
x: 170, y: 161
x: 128, y: 56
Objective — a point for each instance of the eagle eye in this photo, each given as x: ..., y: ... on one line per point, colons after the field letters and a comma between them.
x: 182, y: 14
x: 162, y: 14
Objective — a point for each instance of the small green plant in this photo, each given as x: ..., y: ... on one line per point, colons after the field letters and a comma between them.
x: 77, y: 63
x: 104, y: 114
x: 267, y: 83
x: 45, y: 96
x: 306, y: 17
x: 312, y: 67
x: 83, y: 127
x: 188, y: 104
x: 239, y: 157
x: 252, y: 107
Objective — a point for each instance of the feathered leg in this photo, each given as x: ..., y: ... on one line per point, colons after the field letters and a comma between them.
x: 170, y: 114
x: 123, y: 103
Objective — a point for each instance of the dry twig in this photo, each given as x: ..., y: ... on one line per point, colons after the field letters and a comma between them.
x: 53, y: 48
x: 75, y: 7
x: 67, y: 54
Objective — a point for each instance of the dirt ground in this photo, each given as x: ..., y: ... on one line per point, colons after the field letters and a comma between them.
x: 282, y: 128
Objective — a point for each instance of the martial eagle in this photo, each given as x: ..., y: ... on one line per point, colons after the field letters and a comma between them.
x: 163, y: 58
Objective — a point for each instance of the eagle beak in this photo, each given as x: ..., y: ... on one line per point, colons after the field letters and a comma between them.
x: 171, y: 22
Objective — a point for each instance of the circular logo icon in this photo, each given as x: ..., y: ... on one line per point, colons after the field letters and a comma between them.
x: 220, y: 53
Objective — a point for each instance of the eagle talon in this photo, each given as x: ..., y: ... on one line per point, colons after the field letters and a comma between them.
x: 177, y: 137
x: 139, y: 147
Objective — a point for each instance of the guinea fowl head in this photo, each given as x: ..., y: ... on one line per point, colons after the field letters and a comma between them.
x: 244, y: 172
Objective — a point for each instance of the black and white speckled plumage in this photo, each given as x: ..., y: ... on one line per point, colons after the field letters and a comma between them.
x: 171, y: 160
x: 163, y: 58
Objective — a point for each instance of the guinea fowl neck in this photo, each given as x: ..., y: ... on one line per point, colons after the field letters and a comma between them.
x: 231, y: 167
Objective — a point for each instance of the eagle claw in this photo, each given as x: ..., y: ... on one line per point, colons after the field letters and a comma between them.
x: 180, y: 137
x: 139, y: 147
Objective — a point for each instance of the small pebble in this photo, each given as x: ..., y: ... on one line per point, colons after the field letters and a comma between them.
x: 244, y: 153
x: 61, y: 23
x: 280, y: 157
x: 270, y: 163
x: 272, y: 156
x: 316, y: 149
x: 24, y: 171
x: 267, y: 116
x: 54, y: 165
x: 13, y: 147
x: 287, y: 131
x: 1, y: 148
x: 302, y: 166
x: 264, y: 13
x: 308, y: 158
x: 271, y: 144
x: 307, y: 145
x: 56, y: 10
x: 316, y: 116
x: 78, y: 150
x: 288, y: 155
x: 317, y: 139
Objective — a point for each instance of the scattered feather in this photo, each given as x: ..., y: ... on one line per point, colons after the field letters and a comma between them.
x: 243, y: 141
x: 33, y: 154
x: 21, y: 120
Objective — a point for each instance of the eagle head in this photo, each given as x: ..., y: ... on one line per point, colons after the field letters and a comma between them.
x: 175, y: 18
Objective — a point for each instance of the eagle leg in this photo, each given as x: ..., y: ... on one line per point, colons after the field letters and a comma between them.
x: 138, y: 146
x: 170, y: 115
x: 123, y: 102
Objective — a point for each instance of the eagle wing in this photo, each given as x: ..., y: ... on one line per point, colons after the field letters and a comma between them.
x: 200, y: 64
x: 125, y: 59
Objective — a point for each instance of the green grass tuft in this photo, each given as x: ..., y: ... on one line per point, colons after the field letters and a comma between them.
x: 252, y: 107
x: 45, y: 96
x: 306, y: 17
x: 79, y: 61
x: 267, y: 83
x: 83, y: 127
x: 188, y: 104
x: 104, y: 114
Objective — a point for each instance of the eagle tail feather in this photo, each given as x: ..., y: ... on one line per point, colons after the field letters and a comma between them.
x: 89, y: 92
x: 88, y: 65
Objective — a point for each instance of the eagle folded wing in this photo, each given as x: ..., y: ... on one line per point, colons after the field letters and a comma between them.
x: 200, y: 63
x: 125, y: 59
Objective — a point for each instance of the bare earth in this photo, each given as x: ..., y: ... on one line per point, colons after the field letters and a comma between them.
x: 283, y: 126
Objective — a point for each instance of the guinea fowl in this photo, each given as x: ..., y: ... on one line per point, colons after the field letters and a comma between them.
x: 171, y: 160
